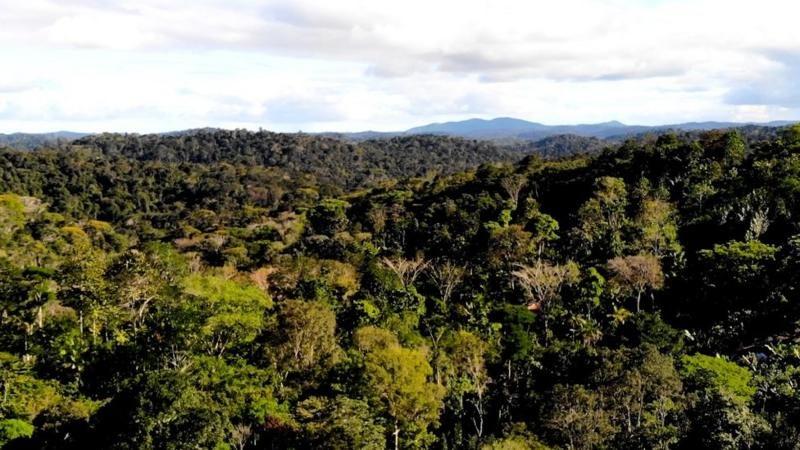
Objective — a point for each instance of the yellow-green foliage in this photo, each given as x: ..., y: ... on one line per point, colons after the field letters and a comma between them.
x: 75, y: 235
x: 12, y: 213
x: 729, y: 377
x: 233, y: 311
x: 225, y: 293
x: 11, y: 429
x: 100, y: 226
x: 398, y: 380
x: 25, y: 396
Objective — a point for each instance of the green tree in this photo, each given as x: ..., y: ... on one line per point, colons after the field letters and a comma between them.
x: 602, y: 220
x: 469, y: 377
x: 230, y: 312
x: 328, y: 217
x: 722, y: 391
x: 658, y: 231
x: 340, y: 423
x: 305, y: 336
x: 577, y: 418
x: 721, y: 374
x: 645, y: 395
x: 398, y: 380
x: 11, y: 429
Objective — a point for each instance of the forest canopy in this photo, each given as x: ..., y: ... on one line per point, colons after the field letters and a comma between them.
x: 238, y: 290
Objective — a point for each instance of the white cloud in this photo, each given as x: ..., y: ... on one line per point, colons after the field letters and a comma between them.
x: 353, y: 64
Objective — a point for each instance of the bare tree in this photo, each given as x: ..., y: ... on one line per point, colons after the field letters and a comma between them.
x: 542, y: 282
x: 513, y: 186
x: 407, y: 270
x: 240, y: 435
x: 636, y: 274
x: 446, y: 276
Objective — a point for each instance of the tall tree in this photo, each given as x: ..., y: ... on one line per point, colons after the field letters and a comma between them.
x: 398, y: 380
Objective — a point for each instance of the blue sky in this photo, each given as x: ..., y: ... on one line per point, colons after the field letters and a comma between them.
x: 348, y: 65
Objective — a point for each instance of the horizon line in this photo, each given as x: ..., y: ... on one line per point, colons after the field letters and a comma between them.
x: 406, y: 130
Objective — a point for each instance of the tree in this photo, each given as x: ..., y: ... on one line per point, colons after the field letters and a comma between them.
x: 516, y: 441
x: 657, y: 227
x: 23, y: 395
x: 730, y: 148
x: 602, y: 219
x: 397, y: 379
x: 230, y: 312
x: 241, y: 435
x: 577, y: 418
x: 138, y: 283
x: 469, y: 375
x: 513, y: 185
x: 510, y: 245
x: 85, y: 288
x: 542, y: 283
x: 12, y: 215
x: 161, y: 410
x: 719, y: 373
x: 11, y: 429
x: 329, y: 217
x: 645, y: 396
x: 544, y: 228
x: 340, y: 423
x: 446, y: 276
x: 722, y: 391
x: 636, y: 274
x: 733, y: 288
x: 406, y: 270
x: 306, y: 336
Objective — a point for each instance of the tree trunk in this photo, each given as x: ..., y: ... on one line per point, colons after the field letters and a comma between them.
x: 638, y: 300
x: 478, y: 424
x: 396, y: 436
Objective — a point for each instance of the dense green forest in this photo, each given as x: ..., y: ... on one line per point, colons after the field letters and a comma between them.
x: 334, y: 161
x: 235, y: 290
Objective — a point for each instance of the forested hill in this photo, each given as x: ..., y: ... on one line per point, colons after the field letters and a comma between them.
x: 335, y: 161
x: 646, y: 296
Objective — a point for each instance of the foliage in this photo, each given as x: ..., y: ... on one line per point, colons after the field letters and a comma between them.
x: 717, y: 372
x: 11, y: 429
x: 246, y: 290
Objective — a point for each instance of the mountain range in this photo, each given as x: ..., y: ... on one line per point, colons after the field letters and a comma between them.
x: 506, y: 127
x: 502, y: 128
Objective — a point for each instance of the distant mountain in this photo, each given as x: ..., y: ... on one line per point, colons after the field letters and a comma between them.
x: 30, y: 141
x: 505, y: 131
x: 480, y: 128
x: 510, y: 128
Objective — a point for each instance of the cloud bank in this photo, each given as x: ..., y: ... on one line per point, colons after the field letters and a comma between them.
x: 347, y: 65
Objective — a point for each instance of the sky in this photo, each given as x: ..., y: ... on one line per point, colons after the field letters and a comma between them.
x: 353, y: 65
